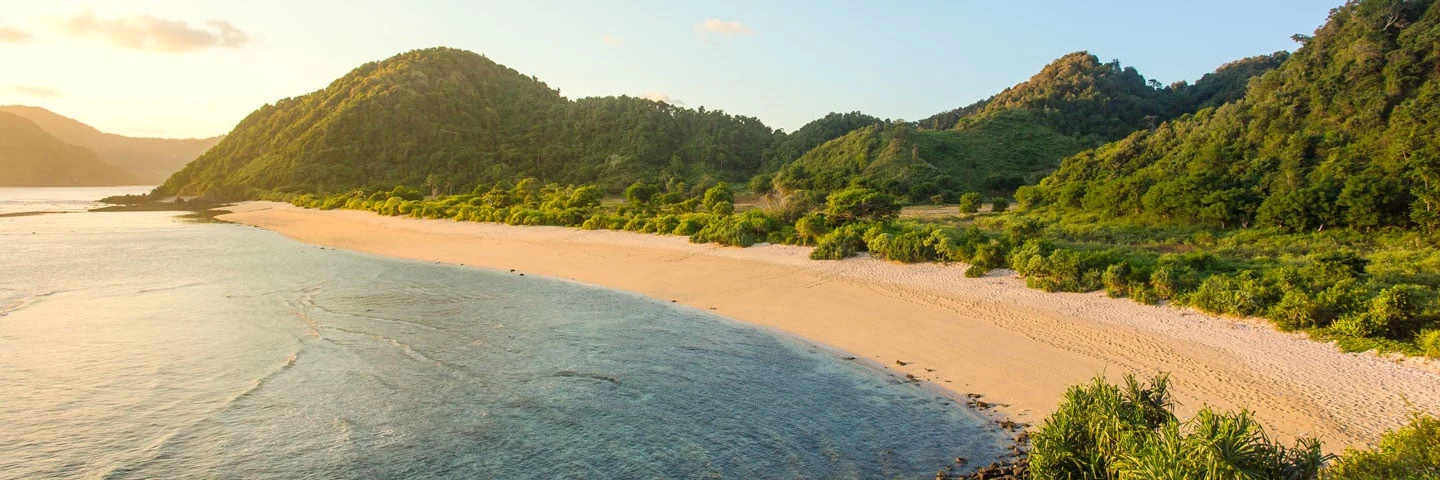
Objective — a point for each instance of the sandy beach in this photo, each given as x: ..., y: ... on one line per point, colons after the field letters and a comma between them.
x: 1019, y: 348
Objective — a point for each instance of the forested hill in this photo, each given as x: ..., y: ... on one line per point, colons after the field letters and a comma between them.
x: 150, y: 159
x: 1343, y: 133
x: 1078, y: 96
x: 31, y: 157
x: 449, y: 119
x: 1016, y: 137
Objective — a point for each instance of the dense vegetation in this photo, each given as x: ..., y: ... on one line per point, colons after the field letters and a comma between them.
x: 31, y: 157
x: 1129, y: 431
x: 447, y: 120
x: 995, y: 157
x: 1341, y: 135
x: 1014, y: 138
x: 152, y: 160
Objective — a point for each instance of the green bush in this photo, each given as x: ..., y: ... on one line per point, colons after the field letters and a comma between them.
x: 1143, y: 294
x: 1240, y: 294
x: 743, y: 230
x: 999, y: 205
x: 839, y: 244
x: 1116, y: 280
x: 1429, y: 342
x: 1104, y: 431
x: 1411, y: 452
x: 970, y: 202
x: 976, y: 271
x: 860, y: 203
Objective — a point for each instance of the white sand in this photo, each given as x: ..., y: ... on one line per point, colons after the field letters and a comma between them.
x: 1020, y: 348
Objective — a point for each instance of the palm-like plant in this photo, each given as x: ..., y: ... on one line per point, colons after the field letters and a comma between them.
x: 1104, y: 431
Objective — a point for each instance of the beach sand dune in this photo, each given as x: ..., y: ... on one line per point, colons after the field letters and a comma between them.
x: 1019, y: 348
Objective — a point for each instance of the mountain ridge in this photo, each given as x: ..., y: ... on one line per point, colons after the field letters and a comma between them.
x: 31, y: 157
x: 151, y: 160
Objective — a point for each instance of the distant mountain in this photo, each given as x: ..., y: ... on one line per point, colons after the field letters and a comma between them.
x: 1017, y: 136
x: 30, y: 157
x: 150, y: 159
x: 450, y: 120
x: 1344, y: 133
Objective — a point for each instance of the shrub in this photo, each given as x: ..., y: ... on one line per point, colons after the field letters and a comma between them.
x: 976, y: 271
x: 1116, y: 280
x: 1170, y: 282
x: 1111, y: 431
x: 908, y: 246
x: 970, y: 203
x: 1429, y: 342
x: 722, y: 208
x: 691, y: 223
x: 839, y: 244
x: 1144, y: 294
x: 860, y: 203
x: 743, y: 230
x: 810, y: 228
x: 1241, y: 294
x: 1412, y: 451
x: 716, y: 196
x: 999, y: 205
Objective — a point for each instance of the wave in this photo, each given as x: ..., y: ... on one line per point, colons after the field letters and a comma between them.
x: 155, y: 449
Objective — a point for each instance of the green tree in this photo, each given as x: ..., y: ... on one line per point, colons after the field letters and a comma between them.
x: 860, y: 203
x: 640, y: 193
x: 720, y: 193
x: 970, y: 202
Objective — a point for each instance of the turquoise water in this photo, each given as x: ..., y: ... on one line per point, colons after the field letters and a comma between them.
x: 135, y: 345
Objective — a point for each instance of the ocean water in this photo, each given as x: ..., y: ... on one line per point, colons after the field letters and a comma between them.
x: 138, y: 345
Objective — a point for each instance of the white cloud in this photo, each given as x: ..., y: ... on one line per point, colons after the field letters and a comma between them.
x: 660, y: 97
x: 34, y: 91
x: 612, y: 41
x: 149, y: 33
x: 14, y: 35
x: 718, y: 26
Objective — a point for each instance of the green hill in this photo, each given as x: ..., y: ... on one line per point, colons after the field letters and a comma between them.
x: 1016, y: 137
x: 1343, y: 133
x: 789, y: 147
x: 150, y: 159
x: 451, y: 119
x: 996, y: 156
x: 30, y: 157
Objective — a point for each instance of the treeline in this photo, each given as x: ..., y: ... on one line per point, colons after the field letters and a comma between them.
x: 1130, y: 431
x: 1341, y: 135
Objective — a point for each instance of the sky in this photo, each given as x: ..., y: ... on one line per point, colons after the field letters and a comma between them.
x: 195, y: 68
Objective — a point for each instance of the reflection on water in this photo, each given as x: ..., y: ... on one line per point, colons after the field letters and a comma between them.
x: 133, y: 345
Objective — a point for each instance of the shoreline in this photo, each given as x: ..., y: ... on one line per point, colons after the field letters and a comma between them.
x: 1019, y: 348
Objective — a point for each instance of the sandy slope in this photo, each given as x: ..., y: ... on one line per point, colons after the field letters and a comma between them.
x: 1018, y: 347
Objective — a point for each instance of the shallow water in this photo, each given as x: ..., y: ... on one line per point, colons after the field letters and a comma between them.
x: 135, y: 345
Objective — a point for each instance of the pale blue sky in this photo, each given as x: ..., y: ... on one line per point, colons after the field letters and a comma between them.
x: 105, y: 63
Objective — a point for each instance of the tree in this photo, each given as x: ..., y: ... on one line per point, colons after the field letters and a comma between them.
x: 999, y: 205
x: 720, y: 193
x: 586, y: 196
x: 970, y: 202
x: 859, y: 203
x: 640, y: 193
